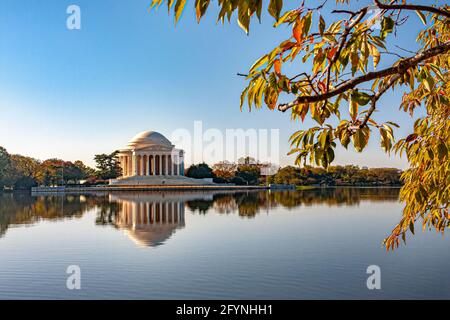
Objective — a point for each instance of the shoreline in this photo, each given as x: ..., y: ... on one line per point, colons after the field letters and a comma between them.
x: 49, y: 190
x: 143, y: 188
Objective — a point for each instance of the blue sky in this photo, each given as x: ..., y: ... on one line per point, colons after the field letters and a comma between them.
x: 75, y: 93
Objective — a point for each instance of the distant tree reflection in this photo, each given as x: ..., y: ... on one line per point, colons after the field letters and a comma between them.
x: 248, y: 204
x: 22, y: 208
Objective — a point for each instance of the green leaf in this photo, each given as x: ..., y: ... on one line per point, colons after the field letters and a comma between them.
x: 288, y: 16
x: 361, y: 138
x: 321, y: 25
x: 275, y: 7
x: 330, y: 155
x: 243, y: 16
x: 411, y: 226
x: 393, y: 124
x: 200, y: 8
x: 387, y: 26
x: 429, y: 83
x: 323, y: 139
x: 307, y: 23
x: 258, y: 63
x: 345, y: 138
x: 243, y: 94
x: 386, y: 141
x: 375, y: 54
x: 442, y: 151
x: 361, y: 98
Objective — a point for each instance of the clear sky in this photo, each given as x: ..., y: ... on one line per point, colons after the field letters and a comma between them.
x: 75, y: 93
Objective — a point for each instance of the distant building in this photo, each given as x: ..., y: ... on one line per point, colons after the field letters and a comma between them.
x: 151, y: 159
x: 151, y: 154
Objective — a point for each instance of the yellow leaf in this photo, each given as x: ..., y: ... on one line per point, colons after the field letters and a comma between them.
x: 179, y: 6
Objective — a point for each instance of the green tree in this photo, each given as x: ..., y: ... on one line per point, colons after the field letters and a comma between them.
x: 345, y: 55
x: 5, y: 160
x: 249, y: 173
x: 85, y: 171
x: 289, y: 175
x: 72, y: 173
x: 53, y: 172
x: 199, y: 171
x: 239, y: 181
x: 5, y: 168
x: 108, y: 166
x: 26, y: 172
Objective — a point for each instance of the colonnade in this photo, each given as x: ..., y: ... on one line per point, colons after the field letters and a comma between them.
x: 151, y: 164
x: 151, y: 213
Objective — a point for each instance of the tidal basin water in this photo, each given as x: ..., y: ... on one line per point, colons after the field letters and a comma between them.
x: 224, y: 245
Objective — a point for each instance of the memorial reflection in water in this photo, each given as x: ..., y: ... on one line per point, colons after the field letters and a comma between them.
x: 148, y: 220
x: 152, y: 218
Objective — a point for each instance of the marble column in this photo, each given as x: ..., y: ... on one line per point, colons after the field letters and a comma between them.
x: 166, y: 165
x: 129, y: 164
x: 177, y: 172
x: 147, y: 165
x: 135, y: 165
x: 170, y: 166
x: 138, y: 165
x: 152, y: 165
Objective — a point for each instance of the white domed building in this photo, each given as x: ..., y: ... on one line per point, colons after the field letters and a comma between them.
x: 151, y: 159
x: 149, y: 153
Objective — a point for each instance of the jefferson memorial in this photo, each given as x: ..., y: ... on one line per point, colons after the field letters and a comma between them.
x: 151, y: 159
x: 151, y: 154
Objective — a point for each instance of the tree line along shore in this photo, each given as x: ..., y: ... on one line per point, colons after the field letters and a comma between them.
x: 18, y: 172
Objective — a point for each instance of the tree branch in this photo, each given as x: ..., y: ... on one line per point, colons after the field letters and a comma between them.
x: 418, y: 7
x: 353, y: 13
x: 347, y: 31
x: 400, y: 68
x: 360, y: 15
x: 377, y: 97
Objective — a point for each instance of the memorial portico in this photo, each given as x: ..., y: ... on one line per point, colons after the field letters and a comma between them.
x: 151, y: 154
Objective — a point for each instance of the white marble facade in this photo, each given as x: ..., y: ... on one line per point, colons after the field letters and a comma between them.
x: 151, y: 154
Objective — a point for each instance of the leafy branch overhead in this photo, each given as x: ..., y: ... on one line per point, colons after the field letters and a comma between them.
x: 341, y: 51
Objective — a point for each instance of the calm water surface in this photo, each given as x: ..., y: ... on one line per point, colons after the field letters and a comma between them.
x: 189, y: 245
